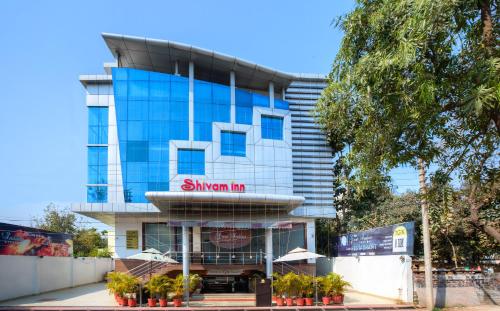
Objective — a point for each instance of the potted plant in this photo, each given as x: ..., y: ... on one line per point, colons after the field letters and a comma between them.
x: 290, y: 279
x: 308, y: 289
x: 339, y: 287
x: 326, y: 288
x: 111, y: 285
x: 278, y: 288
x: 177, y: 288
x: 153, y: 288
x: 301, y: 284
x: 130, y: 286
x: 194, y: 283
x: 164, y: 289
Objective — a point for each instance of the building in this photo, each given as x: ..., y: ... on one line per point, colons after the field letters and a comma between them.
x: 211, y: 158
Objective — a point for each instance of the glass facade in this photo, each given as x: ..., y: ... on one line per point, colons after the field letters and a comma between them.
x: 152, y: 109
x: 97, y: 165
x: 272, y: 127
x: 162, y: 237
x: 97, y: 194
x: 190, y: 162
x: 98, y: 125
x: 212, y: 103
x: 233, y: 144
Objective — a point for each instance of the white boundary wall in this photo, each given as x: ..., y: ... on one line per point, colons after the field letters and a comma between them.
x: 385, y: 276
x: 31, y: 275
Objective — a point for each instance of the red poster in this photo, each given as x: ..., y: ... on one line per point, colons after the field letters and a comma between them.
x: 18, y: 240
x: 230, y: 238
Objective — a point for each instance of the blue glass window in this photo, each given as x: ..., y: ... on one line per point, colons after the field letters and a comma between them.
x: 191, y: 162
x: 233, y: 144
x: 97, y: 194
x: 98, y: 125
x: 97, y: 165
x: 244, y: 107
x: 280, y: 104
x: 212, y: 103
x: 272, y: 127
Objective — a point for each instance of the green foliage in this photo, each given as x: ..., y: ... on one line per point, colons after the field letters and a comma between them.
x: 194, y: 282
x: 417, y: 80
x: 155, y: 285
x: 279, y: 285
x: 57, y: 220
x: 87, y: 242
x: 121, y: 283
x: 177, y: 286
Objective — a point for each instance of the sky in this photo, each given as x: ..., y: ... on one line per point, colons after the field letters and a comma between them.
x: 46, y: 45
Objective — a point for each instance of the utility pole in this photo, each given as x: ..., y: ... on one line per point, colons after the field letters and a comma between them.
x: 429, y: 299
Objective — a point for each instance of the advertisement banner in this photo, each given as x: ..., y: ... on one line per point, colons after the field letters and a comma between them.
x: 229, y: 238
x: 397, y: 239
x: 19, y: 240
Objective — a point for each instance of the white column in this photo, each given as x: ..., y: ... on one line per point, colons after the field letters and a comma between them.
x: 232, y: 84
x: 185, y: 260
x: 176, y: 68
x: 196, y: 239
x: 269, y: 252
x: 191, y: 101
x: 311, y: 239
x: 271, y: 94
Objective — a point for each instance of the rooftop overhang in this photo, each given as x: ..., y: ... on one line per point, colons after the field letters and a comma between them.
x: 161, y: 56
x: 223, y: 201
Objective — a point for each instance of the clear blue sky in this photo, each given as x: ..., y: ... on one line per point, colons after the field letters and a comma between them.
x: 47, y: 44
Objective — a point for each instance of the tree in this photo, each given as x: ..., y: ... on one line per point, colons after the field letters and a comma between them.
x: 86, y: 241
x: 57, y: 220
x: 417, y: 82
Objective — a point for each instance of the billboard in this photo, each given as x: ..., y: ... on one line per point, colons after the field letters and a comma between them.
x: 396, y: 239
x: 19, y: 240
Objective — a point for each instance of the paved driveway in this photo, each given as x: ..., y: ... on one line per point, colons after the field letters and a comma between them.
x: 97, y: 295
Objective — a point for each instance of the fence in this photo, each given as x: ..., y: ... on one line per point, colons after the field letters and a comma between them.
x: 31, y: 275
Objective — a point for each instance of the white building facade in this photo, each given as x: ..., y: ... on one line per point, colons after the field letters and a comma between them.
x: 213, y: 159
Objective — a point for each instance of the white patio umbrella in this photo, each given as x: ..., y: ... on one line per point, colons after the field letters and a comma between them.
x: 152, y: 254
x: 298, y: 254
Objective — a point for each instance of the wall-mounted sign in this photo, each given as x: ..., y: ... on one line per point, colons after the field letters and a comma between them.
x: 19, y: 240
x: 196, y: 185
x: 132, y: 239
x: 391, y: 240
x: 230, y: 238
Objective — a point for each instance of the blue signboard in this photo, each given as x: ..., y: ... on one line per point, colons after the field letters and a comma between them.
x: 397, y: 239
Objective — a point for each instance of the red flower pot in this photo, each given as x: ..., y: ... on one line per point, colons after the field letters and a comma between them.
x: 273, y: 298
x: 339, y: 299
x: 280, y: 301
x: 163, y: 302
x: 289, y: 302
x: 299, y: 301
x: 124, y: 302
x: 177, y: 302
x: 309, y: 301
x: 152, y: 302
x: 132, y: 302
x: 325, y: 300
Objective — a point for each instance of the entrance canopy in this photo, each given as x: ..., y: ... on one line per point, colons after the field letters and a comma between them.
x: 298, y: 254
x: 206, y: 201
x: 152, y: 254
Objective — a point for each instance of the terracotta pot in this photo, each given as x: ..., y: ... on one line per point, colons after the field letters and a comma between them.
x: 177, y: 302
x: 338, y: 299
x: 163, y: 302
x: 132, y: 302
x: 273, y: 298
x: 309, y: 301
x: 299, y: 301
x: 124, y: 302
x: 325, y: 300
x: 119, y: 300
x: 280, y: 301
x: 289, y: 302
x: 152, y: 302
x: 117, y: 297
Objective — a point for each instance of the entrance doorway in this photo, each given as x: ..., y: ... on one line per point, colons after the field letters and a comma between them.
x: 225, y: 284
